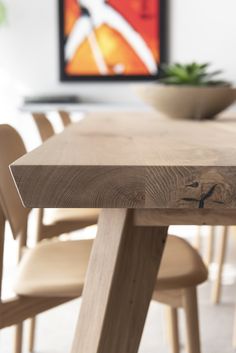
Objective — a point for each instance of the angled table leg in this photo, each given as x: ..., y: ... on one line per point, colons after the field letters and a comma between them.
x: 119, y: 285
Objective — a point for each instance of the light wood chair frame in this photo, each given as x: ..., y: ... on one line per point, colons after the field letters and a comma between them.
x: 185, y: 299
x: 23, y: 307
x: 16, y: 310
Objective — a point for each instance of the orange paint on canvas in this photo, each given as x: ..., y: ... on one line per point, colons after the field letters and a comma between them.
x: 142, y: 15
x: 72, y: 13
x: 83, y: 62
x: 116, y: 52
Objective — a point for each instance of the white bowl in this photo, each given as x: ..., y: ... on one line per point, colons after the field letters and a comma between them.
x: 187, y: 102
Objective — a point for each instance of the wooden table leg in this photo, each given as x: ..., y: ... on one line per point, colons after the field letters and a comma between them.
x: 119, y: 284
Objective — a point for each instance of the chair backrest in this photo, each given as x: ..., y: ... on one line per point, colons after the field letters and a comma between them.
x: 11, y: 148
x: 2, y: 232
x: 44, y: 126
x: 65, y: 118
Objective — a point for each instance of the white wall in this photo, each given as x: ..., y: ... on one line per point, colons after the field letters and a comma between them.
x: 202, y: 30
x: 205, y: 30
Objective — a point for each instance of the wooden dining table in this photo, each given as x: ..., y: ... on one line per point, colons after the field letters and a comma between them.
x: 145, y: 172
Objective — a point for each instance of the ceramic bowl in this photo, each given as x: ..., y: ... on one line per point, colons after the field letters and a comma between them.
x: 187, y: 102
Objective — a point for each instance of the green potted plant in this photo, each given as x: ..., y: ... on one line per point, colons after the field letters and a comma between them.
x: 2, y: 13
x: 189, y: 91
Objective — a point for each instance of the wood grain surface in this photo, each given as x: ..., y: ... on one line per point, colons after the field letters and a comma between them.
x: 139, y: 160
x: 163, y: 217
x: 119, y: 284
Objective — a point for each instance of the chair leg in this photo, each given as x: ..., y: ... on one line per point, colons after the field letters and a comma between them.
x: 217, y: 286
x: 173, y: 329
x: 210, y: 244
x: 32, y: 327
x: 190, y: 307
x: 39, y: 228
x: 18, y: 338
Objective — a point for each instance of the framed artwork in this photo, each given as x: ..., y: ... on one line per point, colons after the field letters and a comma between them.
x: 111, y: 39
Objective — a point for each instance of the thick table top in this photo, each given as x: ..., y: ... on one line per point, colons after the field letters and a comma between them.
x: 133, y: 160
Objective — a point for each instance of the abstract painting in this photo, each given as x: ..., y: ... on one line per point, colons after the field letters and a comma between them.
x: 113, y: 38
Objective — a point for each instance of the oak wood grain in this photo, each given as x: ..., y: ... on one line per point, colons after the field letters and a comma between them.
x: 163, y: 217
x: 119, y: 285
x: 133, y: 161
x: 18, y: 309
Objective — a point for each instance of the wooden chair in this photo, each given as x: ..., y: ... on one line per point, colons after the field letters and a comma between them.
x: 53, y: 272
x: 220, y: 260
x: 45, y: 127
x: 15, y: 311
x: 65, y: 118
x: 181, y: 271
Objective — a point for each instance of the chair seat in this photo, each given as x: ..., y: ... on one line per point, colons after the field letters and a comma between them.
x: 57, y: 269
x: 54, y: 269
x: 181, y: 266
x: 83, y: 215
